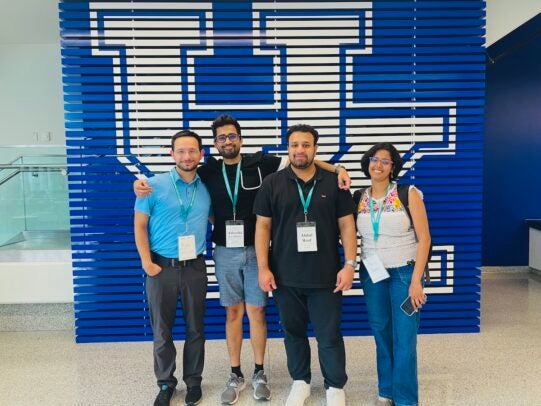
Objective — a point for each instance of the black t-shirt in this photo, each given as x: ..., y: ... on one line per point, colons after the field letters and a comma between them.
x: 254, y: 168
x: 279, y: 199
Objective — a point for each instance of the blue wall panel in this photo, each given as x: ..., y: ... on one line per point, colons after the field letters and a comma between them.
x: 134, y: 72
x: 513, y: 144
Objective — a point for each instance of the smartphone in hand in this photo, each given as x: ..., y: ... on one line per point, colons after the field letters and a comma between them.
x: 407, y: 307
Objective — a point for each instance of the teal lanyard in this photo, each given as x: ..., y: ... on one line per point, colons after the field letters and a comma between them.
x: 184, y: 211
x: 376, y: 217
x: 233, y: 197
x: 305, y: 203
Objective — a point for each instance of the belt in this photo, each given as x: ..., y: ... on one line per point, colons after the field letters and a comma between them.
x: 172, y: 262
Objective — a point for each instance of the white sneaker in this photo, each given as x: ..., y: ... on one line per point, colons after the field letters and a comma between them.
x: 381, y: 401
x: 300, y: 390
x: 336, y: 397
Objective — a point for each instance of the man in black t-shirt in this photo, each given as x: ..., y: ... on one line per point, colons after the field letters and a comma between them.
x: 302, y: 210
x: 233, y: 183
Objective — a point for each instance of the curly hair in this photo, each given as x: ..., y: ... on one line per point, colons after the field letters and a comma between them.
x: 398, y: 163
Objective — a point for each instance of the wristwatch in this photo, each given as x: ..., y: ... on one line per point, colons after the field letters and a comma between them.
x: 351, y: 262
x: 338, y: 167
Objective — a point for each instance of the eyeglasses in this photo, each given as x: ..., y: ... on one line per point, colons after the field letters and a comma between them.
x: 223, y: 137
x: 384, y: 162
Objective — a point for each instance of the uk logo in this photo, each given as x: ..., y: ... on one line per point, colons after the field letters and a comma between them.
x: 279, y: 63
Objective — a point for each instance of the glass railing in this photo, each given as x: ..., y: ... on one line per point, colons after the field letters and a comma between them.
x: 9, y: 153
x: 33, y: 193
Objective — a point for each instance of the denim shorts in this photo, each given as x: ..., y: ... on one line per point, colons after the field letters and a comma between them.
x: 237, y: 275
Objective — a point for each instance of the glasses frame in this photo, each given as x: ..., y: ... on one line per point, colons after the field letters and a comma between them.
x: 231, y: 137
x: 384, y: 162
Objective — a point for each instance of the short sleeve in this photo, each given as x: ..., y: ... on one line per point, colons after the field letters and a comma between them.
x: 145, y: 204
x: 345, y: 204
x: 263, y: 201
x: 142, y: 204
x: 413, y: 187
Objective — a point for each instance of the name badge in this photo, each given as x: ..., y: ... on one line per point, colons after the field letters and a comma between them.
x: 186, y: 247
x: 234, y: 233
x: 306, y: 236
x: 375, y: 268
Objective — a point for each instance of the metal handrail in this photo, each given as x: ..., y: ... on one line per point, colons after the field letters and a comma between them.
x: 8, y: 177
x: 31, y: 168
x: 16, y: 159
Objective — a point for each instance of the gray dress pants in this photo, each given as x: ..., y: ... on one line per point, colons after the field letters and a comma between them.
x: 189, y: 281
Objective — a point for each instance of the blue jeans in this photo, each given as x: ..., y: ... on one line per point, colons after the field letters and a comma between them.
x: 395, y: 334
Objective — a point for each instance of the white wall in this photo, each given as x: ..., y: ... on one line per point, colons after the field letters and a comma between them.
x: 30, y: 73
x: 31, y: 94
x: 503, y: 16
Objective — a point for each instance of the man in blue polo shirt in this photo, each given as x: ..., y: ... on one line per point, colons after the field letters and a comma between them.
x: 170, y: 234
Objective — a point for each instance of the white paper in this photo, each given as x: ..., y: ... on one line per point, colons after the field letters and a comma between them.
x: 186, y: 247
x: 306, y: 237
x: 375, y: 268
x: 234, y: 234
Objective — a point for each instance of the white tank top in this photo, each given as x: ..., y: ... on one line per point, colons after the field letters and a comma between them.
x: 396, y: 244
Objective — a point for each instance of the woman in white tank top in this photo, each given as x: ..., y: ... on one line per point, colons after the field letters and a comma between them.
x: 394, y: 254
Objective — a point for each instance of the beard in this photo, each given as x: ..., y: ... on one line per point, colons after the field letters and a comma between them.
x: 232, y: 151
x: 187, y: 167
x: 301, y: 163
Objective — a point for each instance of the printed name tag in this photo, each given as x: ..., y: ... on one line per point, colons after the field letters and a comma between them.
x: 306, y: 237
x: 186, y: 247
x: 234, y: 233
x: 375, y: 268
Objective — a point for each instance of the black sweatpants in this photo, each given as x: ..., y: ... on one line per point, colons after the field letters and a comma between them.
x: 298, y: 306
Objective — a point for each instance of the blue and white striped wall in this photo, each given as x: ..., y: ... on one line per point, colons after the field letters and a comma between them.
x: 135, y: 72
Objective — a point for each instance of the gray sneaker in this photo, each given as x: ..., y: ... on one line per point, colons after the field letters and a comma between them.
x: 261, y: 388
x: 230, y: 395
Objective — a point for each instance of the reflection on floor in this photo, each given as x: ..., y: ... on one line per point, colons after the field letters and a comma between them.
x: 499, y: 366
x: 37, y: 246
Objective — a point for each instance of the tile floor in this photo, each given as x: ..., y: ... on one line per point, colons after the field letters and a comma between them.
x: 499, y: 366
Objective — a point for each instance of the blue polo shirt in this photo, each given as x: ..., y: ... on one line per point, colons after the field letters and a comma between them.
x: 164, y: 211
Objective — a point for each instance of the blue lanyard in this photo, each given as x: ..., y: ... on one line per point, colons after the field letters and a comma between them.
x: 305, y: 203
x: 184, y: 211
x: 376, y: 217
x: 233, y: 197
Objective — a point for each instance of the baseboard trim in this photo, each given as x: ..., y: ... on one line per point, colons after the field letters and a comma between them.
x: 505, y: 269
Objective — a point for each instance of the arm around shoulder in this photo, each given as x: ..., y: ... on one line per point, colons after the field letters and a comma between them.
x: 141, y: 187
x: 344, y: 181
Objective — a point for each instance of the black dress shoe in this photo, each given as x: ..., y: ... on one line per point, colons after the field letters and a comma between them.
x: 193, y: 396
x: 164, y: 396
